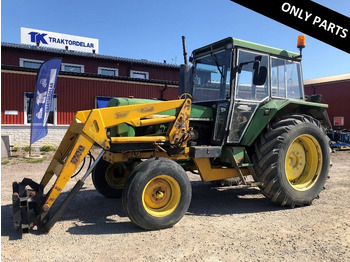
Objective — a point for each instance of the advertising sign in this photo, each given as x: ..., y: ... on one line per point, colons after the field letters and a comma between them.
x: 43, y: 38
x: 43, y: 98
x: 338, y: 121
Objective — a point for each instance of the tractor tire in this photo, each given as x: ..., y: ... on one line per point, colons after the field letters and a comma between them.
x: 109, y: 179
x: 157, y: 194
x: 292, y: 160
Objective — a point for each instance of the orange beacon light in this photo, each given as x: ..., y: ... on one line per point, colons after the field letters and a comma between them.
x: 301, y: 44
x: 301, y: 41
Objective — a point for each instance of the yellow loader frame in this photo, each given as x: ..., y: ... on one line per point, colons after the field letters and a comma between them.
x: 89, y: 128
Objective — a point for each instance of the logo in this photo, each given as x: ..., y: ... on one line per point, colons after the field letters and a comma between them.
x: 43, y: 82
x: 40, y: 113
x: 36, y: 37
x: 31, y: 36
x: 146, y: 109
x: 40, y: 97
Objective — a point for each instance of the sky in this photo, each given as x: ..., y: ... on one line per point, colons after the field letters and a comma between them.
x: 152, y: 29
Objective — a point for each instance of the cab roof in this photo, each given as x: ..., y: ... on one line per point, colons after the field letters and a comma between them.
x: 234, y: 42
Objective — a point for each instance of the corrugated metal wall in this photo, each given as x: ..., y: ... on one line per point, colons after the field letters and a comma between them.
x: 336, y: 95
x: 13, y: 87
x: 73, y: 93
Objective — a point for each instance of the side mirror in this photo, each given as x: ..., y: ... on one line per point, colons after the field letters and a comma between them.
x: 260, y: 72
x: 260, y: 75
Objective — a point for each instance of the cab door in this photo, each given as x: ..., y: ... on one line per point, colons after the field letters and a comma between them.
x: 212, y: 87
x: 251, y: 89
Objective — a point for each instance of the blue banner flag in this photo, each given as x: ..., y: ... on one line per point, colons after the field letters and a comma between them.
x: 43, y: 97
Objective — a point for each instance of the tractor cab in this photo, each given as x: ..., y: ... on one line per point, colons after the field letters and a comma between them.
x: 235, y: 78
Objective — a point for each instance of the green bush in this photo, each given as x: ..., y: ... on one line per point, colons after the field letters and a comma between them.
x: 15, y: 149
x: 47, y: 148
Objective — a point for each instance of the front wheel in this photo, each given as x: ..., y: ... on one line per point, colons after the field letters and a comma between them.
x: 109, y: 179
x: 157, y: 194
x: 292, y: 160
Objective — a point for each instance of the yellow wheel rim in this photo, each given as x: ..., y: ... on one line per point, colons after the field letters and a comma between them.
x: 161, y: 196
x: 116, y: 175
x: 303, y: 162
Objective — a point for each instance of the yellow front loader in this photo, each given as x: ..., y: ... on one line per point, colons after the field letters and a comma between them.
x: 166, y: 195
x: 32, y: 206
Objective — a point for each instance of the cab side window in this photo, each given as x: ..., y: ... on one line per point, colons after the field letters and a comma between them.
x: 252, y: 80
x: 286, y: 79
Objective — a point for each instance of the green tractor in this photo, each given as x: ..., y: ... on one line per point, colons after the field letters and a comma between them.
x: 259, y: 111
x: 242, y: 112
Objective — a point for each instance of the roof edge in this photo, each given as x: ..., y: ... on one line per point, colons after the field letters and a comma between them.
x: 91, y: 75
x: 85, y: 54
x: 327, y: 79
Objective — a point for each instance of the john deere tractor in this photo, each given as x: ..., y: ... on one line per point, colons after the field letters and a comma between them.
x: 241, y: 113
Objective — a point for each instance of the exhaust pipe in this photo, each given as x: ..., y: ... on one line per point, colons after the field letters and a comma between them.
x: 184, y: 49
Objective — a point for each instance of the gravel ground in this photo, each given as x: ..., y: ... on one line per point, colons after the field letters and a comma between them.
x: 222, y: 224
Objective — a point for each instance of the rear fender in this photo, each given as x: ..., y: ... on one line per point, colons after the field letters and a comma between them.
x: 276, y: 108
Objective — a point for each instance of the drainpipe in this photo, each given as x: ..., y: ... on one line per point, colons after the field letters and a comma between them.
x: 131, y: 64
x: 162, y: 92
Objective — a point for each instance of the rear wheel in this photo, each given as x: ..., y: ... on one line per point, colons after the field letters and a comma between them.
x: 292, y: 160
x: 157, y: 194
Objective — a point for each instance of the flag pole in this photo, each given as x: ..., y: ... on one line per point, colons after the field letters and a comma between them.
x: 31, y: 104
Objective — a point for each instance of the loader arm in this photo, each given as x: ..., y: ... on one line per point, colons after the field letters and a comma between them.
x: 88, y: 128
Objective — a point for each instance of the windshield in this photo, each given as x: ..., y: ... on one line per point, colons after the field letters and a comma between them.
x: 211, y: 78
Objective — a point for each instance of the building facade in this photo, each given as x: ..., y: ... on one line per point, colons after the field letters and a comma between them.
x: 86, y: 81
x: 89, y: 80
x: 334, y: 91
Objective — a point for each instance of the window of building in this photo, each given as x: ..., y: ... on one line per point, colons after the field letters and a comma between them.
x: 72, y: 68
x: 108, y: 71
x: 139, y: 74
x: 28, y: 107
x: 30, y: 63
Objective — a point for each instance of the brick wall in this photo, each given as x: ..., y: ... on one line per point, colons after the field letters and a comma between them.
x: 20, y: 135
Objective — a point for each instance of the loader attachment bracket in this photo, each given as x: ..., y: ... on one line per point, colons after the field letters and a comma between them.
x: 27, y: 199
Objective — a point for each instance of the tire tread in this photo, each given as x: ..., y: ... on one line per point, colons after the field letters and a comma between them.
x: 265, y: 159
